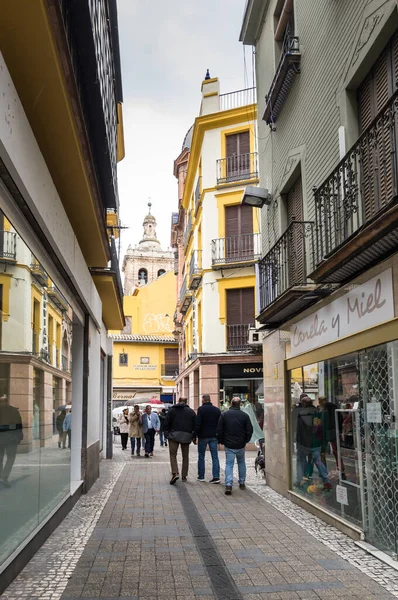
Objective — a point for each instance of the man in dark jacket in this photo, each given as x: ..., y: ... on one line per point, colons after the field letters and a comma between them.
x: 179, y: 428
x: 234, y: 430
x: 206, y: 432
x: 10, y: 436
x: 162, y: 418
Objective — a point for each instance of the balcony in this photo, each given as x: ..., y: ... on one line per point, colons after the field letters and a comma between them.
x: 238, y: 168
x: 195, y: 270
x: 8, y: 246
x: 237, y: 336
x: 38, y: 272
x: 185, y: 297
x: 240, y: 250
x: 288, y: 68
x: 198, y: 192
x: 356, y: 208
x: 283, y: 271
x: 109, y: 286
x: 238, y: 98
x: 57, y: 298
x: 169, y: 371
x: 188, y: 229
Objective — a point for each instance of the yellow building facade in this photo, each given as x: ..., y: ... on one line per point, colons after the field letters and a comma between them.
x: 146, y: 351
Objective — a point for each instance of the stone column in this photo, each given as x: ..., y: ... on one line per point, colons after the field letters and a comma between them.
x: 209, y: 382
x: 47, y: 410
x: 21, y: 396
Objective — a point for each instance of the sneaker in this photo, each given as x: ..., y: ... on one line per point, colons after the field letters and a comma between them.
x: 327, y: 486
x: 200, y: 479
x: 228, y: 490
x: 146, y: 455
x: 242, y: 486
x: 214, y: 480
x: 165, y: 445
x: 138, y: 454
x: 183, y: 478
x: 174, y: 479
x: 151, y: 454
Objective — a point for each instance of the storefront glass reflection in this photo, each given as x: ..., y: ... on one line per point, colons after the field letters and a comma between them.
x: 344, y: 439
x: 35, y: 398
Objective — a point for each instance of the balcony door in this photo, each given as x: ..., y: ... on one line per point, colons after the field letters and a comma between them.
x: 237, y: 156
x: 377, y: 151
x: 294, y: 272
x: 238, y: 232
x: 240, y: 315
x: 171, y: 362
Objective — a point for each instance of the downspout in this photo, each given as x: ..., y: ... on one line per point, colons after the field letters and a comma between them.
x: 109, y: 442
x: 283, y: 20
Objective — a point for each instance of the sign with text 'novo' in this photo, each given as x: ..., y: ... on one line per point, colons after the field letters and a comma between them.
x: 365, y: 306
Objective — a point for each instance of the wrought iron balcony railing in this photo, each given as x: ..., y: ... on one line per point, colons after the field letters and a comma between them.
x: 287, y: 263
x: 198, y: 191
x: 237, y: 336
x: 169, y: 370
x: 185, y: 297
x: 288, y: 67
x: 195, y: 269
x: 239, y: 167
x: 239, y: 249
x: 38, y: 271
x: 238, y: 98
x: 362, y: 190
x: 8, y: 245
x: 57, y: 297
x: 188, y: 229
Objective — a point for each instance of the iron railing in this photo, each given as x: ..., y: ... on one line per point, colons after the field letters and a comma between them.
x: 287, y: 263
x: 238, y: 98
x: 288, y: 67
x: 8, y: 245
x: 198, y: 191
x: 236, y: 249
x: 57, y: 297
x: 169, y: 370
x: 239, y: 167
x: 195, y: 265
x: 183, y: 289
x: 362, y: 185
x: 237, y: 336
x: 38, y: 271
x: 188, y: 229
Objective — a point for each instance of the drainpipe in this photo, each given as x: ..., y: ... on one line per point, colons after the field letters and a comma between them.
x: 283, y: 20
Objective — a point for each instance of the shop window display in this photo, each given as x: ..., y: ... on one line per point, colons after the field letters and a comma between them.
x: 35, y: 396
x: 344, y: 443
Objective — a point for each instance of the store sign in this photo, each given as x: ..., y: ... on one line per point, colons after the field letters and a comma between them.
x: 237, y: 371
x: 365, y: 306
x: 123, y: 396
x: 145, y: 367
x: 342, y: 495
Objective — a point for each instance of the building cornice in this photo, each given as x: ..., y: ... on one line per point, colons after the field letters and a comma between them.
x: 143, y: 339
x: 253, y: 20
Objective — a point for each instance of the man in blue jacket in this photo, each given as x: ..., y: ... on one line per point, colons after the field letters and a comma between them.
x: 206, y: 432
x: 150, y: 425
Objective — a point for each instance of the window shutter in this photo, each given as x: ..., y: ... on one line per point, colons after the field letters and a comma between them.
x: 395, y: 61
x: 232, y: 220
x: 232, y: 145
x: 234, y: 307
x: 243, y: 142
x: 171, y: 356
x: 295, y: 243
x: 381, y: 82
x: 295, y: 202
x: 238, y: 231
x: 248, y: 306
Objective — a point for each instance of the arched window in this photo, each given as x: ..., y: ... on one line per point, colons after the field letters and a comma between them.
x: 142, y: 276
x: 161, y: 272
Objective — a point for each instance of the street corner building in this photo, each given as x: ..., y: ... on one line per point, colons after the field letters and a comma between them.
x: 61, y: 136
x: 146, y: 350
x: 328, y: 272
x: 217, y: 241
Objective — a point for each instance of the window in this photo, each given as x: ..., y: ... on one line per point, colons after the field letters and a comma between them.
x: 237, y: 156
x: 238, y: 231
x: 240, y: 315
x: 161, y: 272
x: 142, y: 277
x: 123, y: 359
x: 171, y: 362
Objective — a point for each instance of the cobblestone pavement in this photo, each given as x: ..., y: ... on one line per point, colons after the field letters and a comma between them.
x: 136, y: 537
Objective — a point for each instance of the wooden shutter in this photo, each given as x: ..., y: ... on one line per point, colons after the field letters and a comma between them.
x: 294, y: 202
x: 243, y: 142
x: 240, y: 314
x: 238, y: 231
x: 234, y: 307
x: 295, y: 273
x: 232, y: 145
x: 171, y: 356
x: 248, y: 306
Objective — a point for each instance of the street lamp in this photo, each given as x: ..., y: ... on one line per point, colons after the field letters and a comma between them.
x: 256, y: 196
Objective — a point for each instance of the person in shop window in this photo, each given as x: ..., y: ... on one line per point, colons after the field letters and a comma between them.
x: 347, y: 435
x: 135, y: 430
x: 329, y: 433
x: 59, y: 425
x: 309, y: 443
x: 10, y: 436
x: 124, y: 427
x: 67, y: 427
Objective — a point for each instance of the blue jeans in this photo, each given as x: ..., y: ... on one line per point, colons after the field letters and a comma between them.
x: 230, y: 454
x: 162, y: 438
x: 132, y: 442
x: 213, y: 445
x: 306, y: 458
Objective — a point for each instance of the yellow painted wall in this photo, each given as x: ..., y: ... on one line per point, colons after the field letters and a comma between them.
x: 136, y: 373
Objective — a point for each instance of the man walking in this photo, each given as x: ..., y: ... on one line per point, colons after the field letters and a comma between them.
x: 179, y: 428
x: 67, y: 427
x: 10, y: 436
x: 206, y: 432
x: 150, y: 425
x: 234, y: 431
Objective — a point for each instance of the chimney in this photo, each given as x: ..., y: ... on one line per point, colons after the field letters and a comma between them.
x: 210, y: 95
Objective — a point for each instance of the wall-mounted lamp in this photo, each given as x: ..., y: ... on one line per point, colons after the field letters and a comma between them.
x: 256, y: 196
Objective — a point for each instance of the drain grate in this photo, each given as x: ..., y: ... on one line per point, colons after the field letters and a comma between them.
x: 223, y: 585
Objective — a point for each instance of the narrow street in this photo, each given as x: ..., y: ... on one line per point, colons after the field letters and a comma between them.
x: 136, y: 537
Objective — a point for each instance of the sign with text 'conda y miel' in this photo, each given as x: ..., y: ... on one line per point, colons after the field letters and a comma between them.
x: 363, y: 307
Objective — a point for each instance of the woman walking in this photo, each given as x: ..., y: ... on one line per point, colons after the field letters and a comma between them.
x: 124, y: 427
x: 135, y: 430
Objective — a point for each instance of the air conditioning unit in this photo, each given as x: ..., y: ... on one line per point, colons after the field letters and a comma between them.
x: 255, y: 337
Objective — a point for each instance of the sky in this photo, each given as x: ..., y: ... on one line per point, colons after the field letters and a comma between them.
x: 166, y: 47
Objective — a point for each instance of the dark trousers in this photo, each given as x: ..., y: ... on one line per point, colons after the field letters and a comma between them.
x: 11, y: 451
x: 124, y: 437
x: 173, y: 448
x: 149, y: 441
x: 132, y: 442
